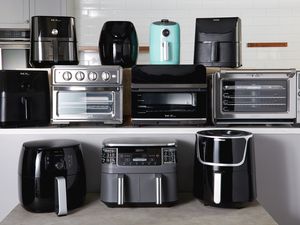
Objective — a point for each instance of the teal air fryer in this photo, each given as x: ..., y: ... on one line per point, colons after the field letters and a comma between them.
x: 164, y: 42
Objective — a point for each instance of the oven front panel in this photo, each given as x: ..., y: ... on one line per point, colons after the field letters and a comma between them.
x: 87, y: 105
x: 259, y: 99
x: 168, y: 104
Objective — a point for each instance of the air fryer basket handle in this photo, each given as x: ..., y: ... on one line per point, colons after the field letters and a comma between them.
x: 165, y: 50
x: 60, y: 196
x: 158, y: 187
x: 217, y: 187
x: 24, y: 101
x: 120, y: 189
x: 215, y: 51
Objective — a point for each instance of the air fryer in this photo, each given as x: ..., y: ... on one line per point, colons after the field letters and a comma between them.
x: 224, y: 169
x: 53, y: 41
x: 51, y: 176
x: 25, y: 99
x: 118, y: 44
x: 218, y: 42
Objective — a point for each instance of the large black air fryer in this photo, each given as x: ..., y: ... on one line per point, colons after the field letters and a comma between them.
x: 218, y: 42
x: 25, y: 99
x: 118, y: 44
x: 224, y: 170
x: 51, y: 176
x: 53, y: 41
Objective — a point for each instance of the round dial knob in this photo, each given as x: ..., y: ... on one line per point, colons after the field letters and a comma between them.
x: 93, y: 76
x: 105, y: 76
x: 67, y: 76
x: 79, y: 76
x: 59, y: 165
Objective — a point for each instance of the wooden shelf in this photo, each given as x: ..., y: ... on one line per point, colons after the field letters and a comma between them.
x: 267, y: 44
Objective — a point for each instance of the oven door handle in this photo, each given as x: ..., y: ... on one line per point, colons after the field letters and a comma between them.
x: 74, y: 88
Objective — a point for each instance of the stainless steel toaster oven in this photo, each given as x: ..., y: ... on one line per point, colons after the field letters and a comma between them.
x: 87, y: 94
x: 254, y: 96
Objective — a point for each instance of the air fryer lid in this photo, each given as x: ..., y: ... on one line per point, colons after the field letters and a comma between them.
x: 51, y: 158
x: 168, y: 74
x: 217, y: 29
x: 53, y: 27
x: 222, y: 147
x: 117, y: 29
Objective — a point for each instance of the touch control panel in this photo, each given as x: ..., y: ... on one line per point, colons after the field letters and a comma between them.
x: 139, y: 156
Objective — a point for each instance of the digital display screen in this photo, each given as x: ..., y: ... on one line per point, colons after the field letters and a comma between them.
x: 139, y: 156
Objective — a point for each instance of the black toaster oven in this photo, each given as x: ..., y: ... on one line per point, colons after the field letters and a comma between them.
x: 168, y: 94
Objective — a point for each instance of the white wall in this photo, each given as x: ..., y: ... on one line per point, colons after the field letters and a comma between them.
x: 262, y: 21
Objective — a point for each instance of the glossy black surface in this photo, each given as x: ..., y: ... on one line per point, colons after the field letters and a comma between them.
x: 53, y: 41
x: 216, y: 42
x: 24, y: 98
x: 169, y: 92
x: 168, y: 74
x: 238, y: 184
x: 40, y: 162
x: 118, y: 44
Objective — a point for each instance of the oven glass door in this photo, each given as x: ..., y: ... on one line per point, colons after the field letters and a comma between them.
x: 254, y: 96
x: 85, y: 104
x: 169, y: 104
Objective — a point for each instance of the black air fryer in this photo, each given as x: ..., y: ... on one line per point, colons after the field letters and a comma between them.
x: 118, y: 44
x: 51, y: 176
x: 218, y: 42
x: 25, y: 98
x: 224, y: 170
x: 53, y: 41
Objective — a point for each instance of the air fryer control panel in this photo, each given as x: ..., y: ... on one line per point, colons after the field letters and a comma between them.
x: 139, y: 156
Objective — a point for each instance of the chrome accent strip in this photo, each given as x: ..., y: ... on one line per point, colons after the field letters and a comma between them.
x: 158, y: 185
x: 120, y: 189
x: 217, y: 187
x: 61, y: 196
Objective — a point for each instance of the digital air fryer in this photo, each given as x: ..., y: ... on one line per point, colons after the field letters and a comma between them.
x: 51, y: 176
x: 53, y: 41
x: 25, y: 99
x: 218, y: 42
x: 224, y: 169
x: 118, y: 44
x: 138, y: 171
x: 164, y: 42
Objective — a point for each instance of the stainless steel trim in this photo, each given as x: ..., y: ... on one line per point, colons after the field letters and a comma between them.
x: 217, y: 187
x: 120, y: 189
x: 61, y: 196
x: 158, y: 188
x: 139, y: 144
x: 223, y: 164
x: 256, y: 117
x: 291, y: 71
x: 15, y: 45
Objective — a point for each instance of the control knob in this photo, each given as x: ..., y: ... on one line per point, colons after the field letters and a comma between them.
x: 79, y: 76
x: 105, y: 76
x: 67, y: 76
x: 93, y: 76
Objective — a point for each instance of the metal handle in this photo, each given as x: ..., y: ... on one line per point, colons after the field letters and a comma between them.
x: 60, y: 196
x: 217, y: 187
x: 120, y: 189
x: 24, y: 101
x: 158, y: 185
x: 165, y: 51
x: 214, y: 55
